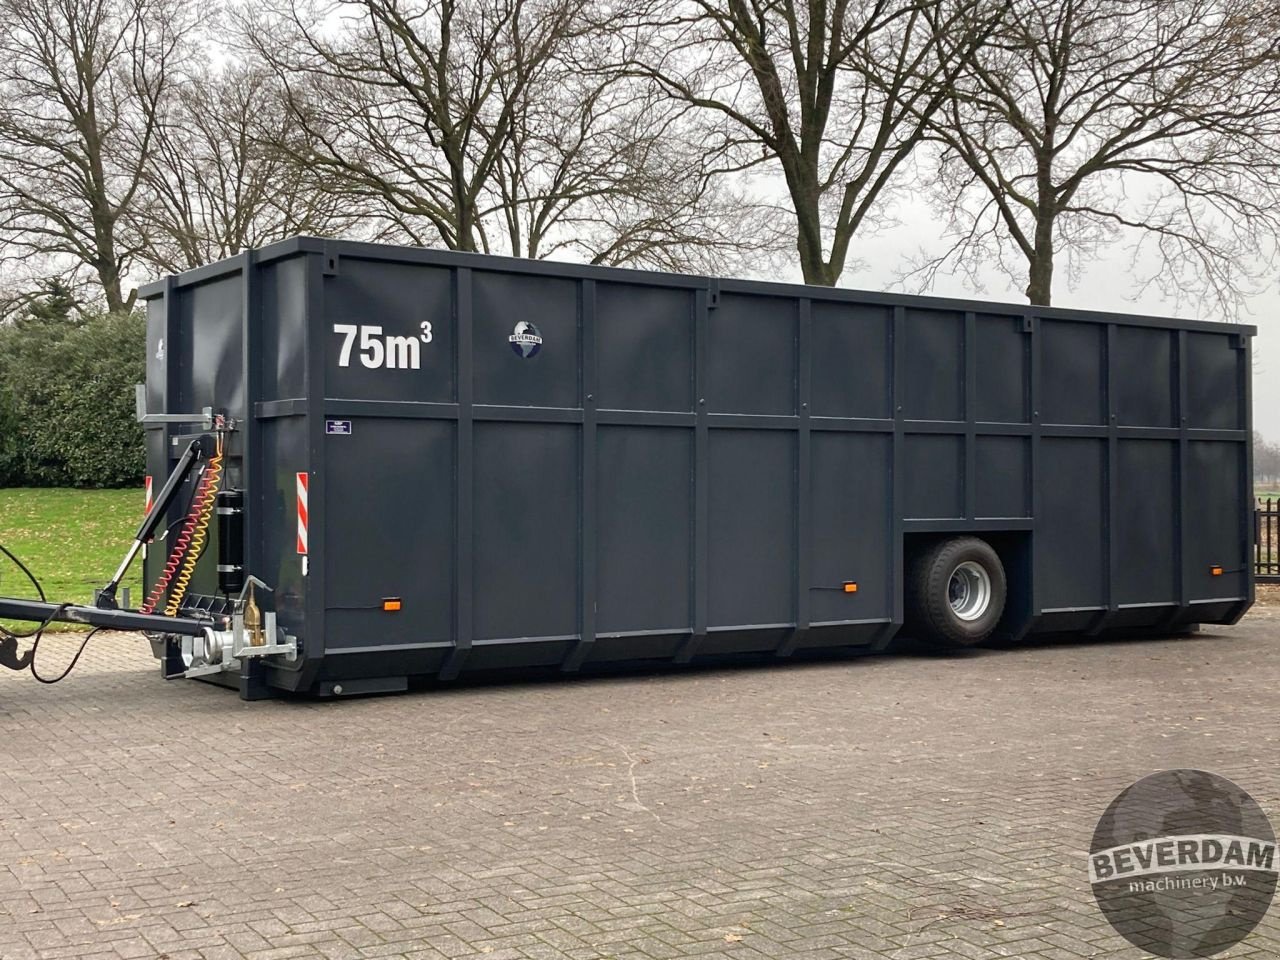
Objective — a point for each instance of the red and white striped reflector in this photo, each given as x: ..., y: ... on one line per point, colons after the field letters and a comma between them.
x: 302, y: 513
x: 147, y: 509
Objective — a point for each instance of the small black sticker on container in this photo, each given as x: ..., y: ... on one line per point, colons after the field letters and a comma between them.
x: 339, y: 427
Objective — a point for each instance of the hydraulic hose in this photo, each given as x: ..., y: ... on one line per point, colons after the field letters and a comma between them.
x: 201, y: 506
x: 181, y: 542
x: 206, y: 499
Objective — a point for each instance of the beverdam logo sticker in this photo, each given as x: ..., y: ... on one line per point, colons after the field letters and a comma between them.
x: 525, y: 340
x: 1183, y: 864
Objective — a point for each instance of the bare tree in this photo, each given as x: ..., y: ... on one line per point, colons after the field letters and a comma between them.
x: 224, y: 173
x: 403, y: 100
x: 834, y: 93
x: 1266, y: 460
x: 602, y: 166
x: 82, y: 83
x: 487, y: 125
x: 1083, y: 121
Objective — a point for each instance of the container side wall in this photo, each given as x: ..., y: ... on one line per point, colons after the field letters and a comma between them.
x: 389, y: 530
x: 852, y: 361
x: 1070, y: 535
x: 752, y: 527
x: 284, y: 453
x: 1215, y: 479
x: 933, y: 371
x: 1002, y: 474
x: 645, y: 529
x: 933, y: 468
x: 550, y: 376
x: 526, y: 521
x: 1073, y: 388
x: 195, y: 360
x: 1146, y: 550
x: 1145, y: 377
x: 211, y: 347
x: 1140, y: 476
x: 284, y: 341
x: 644, y: 348
x: 556, y: 465
x: 1214, y: 383
x: 851, y: 528
x: 751, y: 356
x: 1002, y: 370
x: 157, y: 393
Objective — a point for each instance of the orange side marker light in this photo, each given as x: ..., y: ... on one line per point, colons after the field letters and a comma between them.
x: 850, y: 586
x: 1215, y: 571
x: 391, y: 604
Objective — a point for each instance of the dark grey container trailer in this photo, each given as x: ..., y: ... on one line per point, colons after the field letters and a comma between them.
x: 449, y: 463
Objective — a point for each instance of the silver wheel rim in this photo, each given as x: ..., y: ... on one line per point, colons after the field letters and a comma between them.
x: 969, y: 591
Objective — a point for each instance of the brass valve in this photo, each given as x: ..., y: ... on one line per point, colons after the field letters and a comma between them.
x: 253, y: 620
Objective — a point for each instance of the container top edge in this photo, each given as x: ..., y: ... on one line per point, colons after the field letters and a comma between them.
x: 456, y: 258
x: 229, y: 265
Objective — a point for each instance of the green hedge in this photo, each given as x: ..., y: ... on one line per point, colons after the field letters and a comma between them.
x: 66, y: 400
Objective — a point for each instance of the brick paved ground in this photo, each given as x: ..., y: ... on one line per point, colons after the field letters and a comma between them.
x: 899, y: 807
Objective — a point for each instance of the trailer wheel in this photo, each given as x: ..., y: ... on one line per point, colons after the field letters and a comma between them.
x: 955, y: 592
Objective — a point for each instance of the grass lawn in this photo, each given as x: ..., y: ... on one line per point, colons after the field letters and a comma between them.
x: 71, y: 540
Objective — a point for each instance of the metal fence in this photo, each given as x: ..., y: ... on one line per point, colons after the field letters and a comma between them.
x: 1266, y: 539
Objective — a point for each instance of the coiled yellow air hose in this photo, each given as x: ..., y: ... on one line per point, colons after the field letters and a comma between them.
x: 199, y: 534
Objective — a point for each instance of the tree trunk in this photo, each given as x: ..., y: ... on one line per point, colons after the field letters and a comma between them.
x: 113, y: 290
x: 813, y: 264
x: 815, y: 270
x: 1040, y: 264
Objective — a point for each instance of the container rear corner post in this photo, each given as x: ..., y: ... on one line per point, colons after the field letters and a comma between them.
x: 445, y: 464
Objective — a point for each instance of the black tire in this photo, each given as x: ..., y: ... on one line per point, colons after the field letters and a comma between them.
x: 955, y: 592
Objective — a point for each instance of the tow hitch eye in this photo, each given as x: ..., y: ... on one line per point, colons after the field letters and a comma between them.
x: 205, y: 650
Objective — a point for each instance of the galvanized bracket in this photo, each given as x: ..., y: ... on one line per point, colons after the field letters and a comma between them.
x: 243, y: 648
x: 201, y: 671
x: 207, y: 418
x: 242, y: 645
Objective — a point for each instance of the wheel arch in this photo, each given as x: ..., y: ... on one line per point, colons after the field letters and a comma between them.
x: 1013, y: 547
